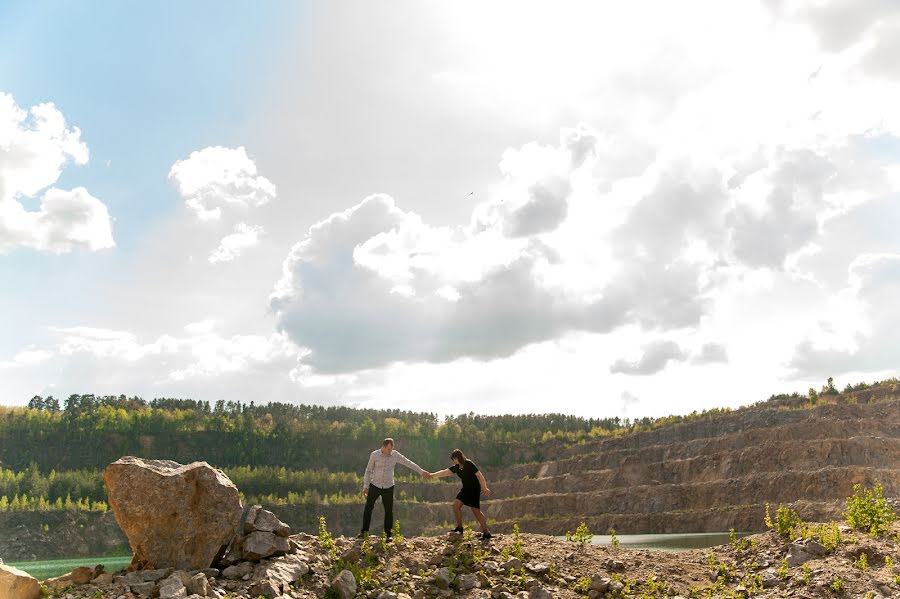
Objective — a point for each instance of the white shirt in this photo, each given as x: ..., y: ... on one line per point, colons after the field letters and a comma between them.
x: 380, y: 469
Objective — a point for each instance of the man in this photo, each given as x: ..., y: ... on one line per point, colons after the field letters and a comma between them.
x: 379, y: 482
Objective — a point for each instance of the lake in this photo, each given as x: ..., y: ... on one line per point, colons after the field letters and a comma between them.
x: 669, y: 542
x: 42, y: 569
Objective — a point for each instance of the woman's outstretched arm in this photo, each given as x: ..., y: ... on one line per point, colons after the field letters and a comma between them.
x: 442, y: 473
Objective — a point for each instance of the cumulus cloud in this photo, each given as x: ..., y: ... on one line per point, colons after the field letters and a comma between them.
x: 711, y: 353
x: 215, y: 179
x: 859, y: 333
x: 34, y: 146
x: 654, y: 358
x: 233, y: 245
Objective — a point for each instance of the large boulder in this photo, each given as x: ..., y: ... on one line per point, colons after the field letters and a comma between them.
x: 16, y: 584
x: 174, y: 516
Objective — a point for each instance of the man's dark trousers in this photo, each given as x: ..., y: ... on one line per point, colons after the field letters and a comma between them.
x: 387, y: 498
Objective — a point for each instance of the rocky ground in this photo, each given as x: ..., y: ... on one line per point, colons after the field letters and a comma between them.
x: 535, y: 566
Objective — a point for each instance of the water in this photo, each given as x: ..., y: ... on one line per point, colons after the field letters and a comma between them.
x: 669, y: 542
x: 42, y: 569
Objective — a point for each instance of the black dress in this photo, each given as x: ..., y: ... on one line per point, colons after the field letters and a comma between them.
x: 470, y: 494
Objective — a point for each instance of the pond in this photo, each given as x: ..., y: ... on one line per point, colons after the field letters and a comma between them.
x: 42, y: 569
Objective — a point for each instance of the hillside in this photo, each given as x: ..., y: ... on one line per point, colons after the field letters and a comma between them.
x: 700, y: 473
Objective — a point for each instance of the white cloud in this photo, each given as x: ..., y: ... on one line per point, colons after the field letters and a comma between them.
x: 654, y: 357
x: 711, y: 353
x: 215, y: 179
x: 233, y: 245
x: 34, y: 146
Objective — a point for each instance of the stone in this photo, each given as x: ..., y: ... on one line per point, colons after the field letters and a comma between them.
x: 466, y: 582
x: 797, y: 555
x: 344, y: 585
x: 441, y: 578
x: 770, y: 578
x: 539, y: 593
x: 237, y: 571
x: 180, y: 516
x: 281, y: 572
x: 260, y: 545
x: 103, y: 580
x: 386, y: 595
x: 539, y: 568
x: 77, y: 577
x: 198, y: 585
x: 173, y: 587
x: 16, y: 584
x: 259, y: 519
x: 142, y: 589
x: 614, y: 565
x: 264, y: 588
x: 600, y: 583
x: 512, y: 563
x: 815, y: 548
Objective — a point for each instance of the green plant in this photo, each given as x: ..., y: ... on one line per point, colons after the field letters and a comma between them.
x: 786, y: 521
x: 806, y: 571
x: 739, y: 545
x: 396, y: 534
x: 326, y: 542
x: 869, y: 511
x: 581, y: 535
x: 613, y: 539
x: 518, y: 549
x: 768, y: 518
x: 862, y: 562
x: 783, y: 570
x: 888, y: 563
x: 897, y: 580
x: 837, y: 585
x: 583, y: 585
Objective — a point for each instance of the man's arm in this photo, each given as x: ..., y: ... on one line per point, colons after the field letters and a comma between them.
x: 484, y: 487
x: 367, y: 477
x: 442, y: 473
x: 402, y: 459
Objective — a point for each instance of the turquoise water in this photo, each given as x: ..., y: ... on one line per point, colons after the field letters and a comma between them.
x: 42, y: 569
x: 669, y: 542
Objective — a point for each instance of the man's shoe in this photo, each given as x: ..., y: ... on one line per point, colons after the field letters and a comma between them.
x: 363, y: 534
x: 388, y: 539
x: 458, y: 529
x: 486, y: 535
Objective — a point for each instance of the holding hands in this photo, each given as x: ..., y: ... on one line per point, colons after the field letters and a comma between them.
x: 426, y: 474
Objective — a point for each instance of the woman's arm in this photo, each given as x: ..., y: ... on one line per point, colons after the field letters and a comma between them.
x: 442, y: 473
x: 484, y: 488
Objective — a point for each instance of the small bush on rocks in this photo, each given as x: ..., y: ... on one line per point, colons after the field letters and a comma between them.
x: 869, y: 511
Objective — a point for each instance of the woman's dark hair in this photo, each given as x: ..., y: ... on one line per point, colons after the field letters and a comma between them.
x: 457, y: 453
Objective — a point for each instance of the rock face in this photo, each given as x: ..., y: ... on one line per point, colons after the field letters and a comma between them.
x: 15, y: 584
x: 265, y: 535
x: 174, y: 516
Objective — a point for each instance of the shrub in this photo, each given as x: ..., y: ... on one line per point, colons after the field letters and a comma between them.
x: 837, y: 585
x: 869, y: 511
x: 581, y: 535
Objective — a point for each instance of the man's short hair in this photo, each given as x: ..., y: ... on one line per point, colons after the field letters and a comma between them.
x: 387, y: 441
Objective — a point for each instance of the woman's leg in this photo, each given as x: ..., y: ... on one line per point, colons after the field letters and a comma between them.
x: 481, y: 520
x: 457, y: 511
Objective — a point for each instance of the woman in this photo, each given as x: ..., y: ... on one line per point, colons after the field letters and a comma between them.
x: 473, y: 487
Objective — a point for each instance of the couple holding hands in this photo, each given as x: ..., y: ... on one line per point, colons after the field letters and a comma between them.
x: 379, y: 482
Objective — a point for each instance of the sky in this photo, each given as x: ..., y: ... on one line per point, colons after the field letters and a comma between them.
x: 603, y: 209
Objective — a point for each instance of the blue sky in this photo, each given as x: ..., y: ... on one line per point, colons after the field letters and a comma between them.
x: 452, y: 207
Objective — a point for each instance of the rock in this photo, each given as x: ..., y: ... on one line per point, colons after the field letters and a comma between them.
x: 386, y: 595
x: 344, y: 585
x: 142, y: 589
x: 260, y: 545
x: 77, y: 577
x: 198, y: 585
x: 262, y: 520
x: 103, y: 580
x: 237, y: 571
x: 16, y: 584
x: 173, y: 515
x: 797, y: 555
x: 441, y: 578
x: 264, y: 588
x: 173, y: 587
x: 815, y: 548
x: 614, y: 565
x: 539, y: 593
x: 467, y: 581
x: 512, y: 563
x: 770, y: 578
x: 281, y: 572
x: 600, y: 583
x: 539, y: 568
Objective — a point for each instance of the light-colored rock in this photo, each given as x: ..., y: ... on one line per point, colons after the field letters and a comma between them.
x: 265, y: 588
x: 142, y: 589
x: 103, y: 579
x: 198, y: 585
x: 539, y: 593
x: 259, y: 519
x: 600, y: 583
x: 16, y: 584
x: 442, y: 578
x: 798, y: 555
x: 512, y: 563
x: 281, y: 572
x: 173, y: 515
x: 260, y: 545
x: 344, y: 585
x: 387, y: 595
x: 538, y: 568
x: 173, y: 587
x: 466, y: 582
x: 77, y: 577
x: 237, y: 571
